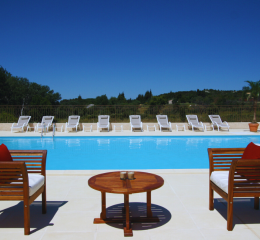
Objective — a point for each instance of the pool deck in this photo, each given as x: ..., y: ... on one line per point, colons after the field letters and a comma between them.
x: 181, y: 204
x: 232, y: 132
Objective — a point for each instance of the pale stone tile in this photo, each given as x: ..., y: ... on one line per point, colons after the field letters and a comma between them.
x: 119, y: 235
x: 11, y: 235
x: 69, y: 235
x: 180, y: 234
x: 81, y: 204
x: 77, y: 221
x: 223, y: 234
x: 212, y: 220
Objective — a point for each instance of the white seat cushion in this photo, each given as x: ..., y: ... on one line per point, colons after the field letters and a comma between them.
x: 220, y: 178
x: 35, y: 182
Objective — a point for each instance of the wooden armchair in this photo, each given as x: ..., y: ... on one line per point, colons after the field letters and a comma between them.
x: 24, y: 179
x: 230, y: 176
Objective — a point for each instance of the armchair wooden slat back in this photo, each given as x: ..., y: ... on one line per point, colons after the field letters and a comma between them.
x: 220, y: 159
x: 35, y: 159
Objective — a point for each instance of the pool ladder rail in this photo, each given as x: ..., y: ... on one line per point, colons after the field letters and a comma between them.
x: 53, y: 131
x: 44, y: 127
x: 42, y: 131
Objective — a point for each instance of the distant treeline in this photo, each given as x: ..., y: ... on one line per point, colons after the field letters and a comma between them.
x: 199, y: 97
x: 18, y: 91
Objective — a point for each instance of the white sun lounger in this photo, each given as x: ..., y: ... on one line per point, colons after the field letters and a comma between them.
x: 216, y: 121
x: 46, y: 123
x: 103, y: 122
x: 194, y: 122
x: 163, y: 122
x: 135, y: 122
x: 22, y: 123
x: 73, y: 122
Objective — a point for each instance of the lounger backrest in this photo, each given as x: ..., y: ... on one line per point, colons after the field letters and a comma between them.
x: 162, y: 119
x: 47, y: 120
x: 135, y: 119
x: 73, y: 120
x: 215, y: 118
x: 103, y: 119
x: 192, y: 119
x: 23, y: 120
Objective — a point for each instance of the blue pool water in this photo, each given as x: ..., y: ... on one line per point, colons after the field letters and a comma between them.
x: 90, y: 153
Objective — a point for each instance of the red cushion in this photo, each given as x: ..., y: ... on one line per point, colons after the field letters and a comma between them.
x: 5, y: 155
x: 252, y: 151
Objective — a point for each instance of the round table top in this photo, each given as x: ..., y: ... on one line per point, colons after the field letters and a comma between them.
x: 110, y: 182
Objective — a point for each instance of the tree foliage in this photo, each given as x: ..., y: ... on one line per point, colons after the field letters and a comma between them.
x: 253, y: 91
x: 18, y: 91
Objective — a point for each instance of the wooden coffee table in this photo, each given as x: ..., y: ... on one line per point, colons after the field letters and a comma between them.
x: 111, y: 183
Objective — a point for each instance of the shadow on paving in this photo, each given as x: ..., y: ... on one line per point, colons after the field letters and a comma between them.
x: 243, y: 210
x: 13, y: 217
x: 138, y: 209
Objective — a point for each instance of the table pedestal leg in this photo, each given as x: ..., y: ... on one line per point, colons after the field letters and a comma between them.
x: 149, y: 205
x: 123, y: 209
x: 103, y: 214
x: 127, y: 229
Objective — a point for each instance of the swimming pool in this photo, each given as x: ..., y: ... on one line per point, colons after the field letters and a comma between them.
x: 106, y: 153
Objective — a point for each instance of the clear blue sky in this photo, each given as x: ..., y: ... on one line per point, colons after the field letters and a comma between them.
x: 96, y: 47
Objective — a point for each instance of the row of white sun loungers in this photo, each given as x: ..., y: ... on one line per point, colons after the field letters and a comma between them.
x: 215, y: 119
x: 135, y: 123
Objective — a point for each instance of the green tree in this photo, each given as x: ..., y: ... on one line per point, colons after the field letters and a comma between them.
x: 148, y: 95
x: 4, y: 86
x: 158, y: 100
x: 140, y: 98
x: 112, y: 101
x: 121, y: 98
x: 254, y: 90
x: 101, y: 100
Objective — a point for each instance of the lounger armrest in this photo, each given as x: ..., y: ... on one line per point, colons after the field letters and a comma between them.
x: 13, y: 124
x: 225, y: 122
x: 201, y: 123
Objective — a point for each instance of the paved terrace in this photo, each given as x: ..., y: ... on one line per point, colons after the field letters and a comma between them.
x: 182, y: 205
